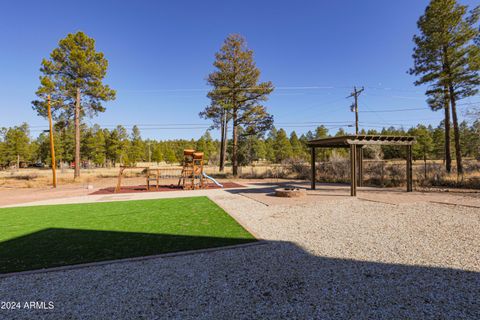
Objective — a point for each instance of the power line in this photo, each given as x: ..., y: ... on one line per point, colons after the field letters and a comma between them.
x: 390, y: 124
x: 414, y: 109
x: 194, y: 124
x: 323, y: 104
x: 377, y: 116
x: 468, y: 103
x: 394, y: 110
x: 307, y: 87
x: 280, y: 87
x: 204, y: 127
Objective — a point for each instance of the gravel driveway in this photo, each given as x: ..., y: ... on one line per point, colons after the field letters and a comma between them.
x: 347, y: 259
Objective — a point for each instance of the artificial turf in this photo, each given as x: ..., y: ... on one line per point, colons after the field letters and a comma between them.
x: 58, y: 235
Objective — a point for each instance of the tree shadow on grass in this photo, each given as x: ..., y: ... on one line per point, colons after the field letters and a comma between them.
x: 56, y: 247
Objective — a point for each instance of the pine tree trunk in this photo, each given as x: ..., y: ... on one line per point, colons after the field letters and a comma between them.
x: 234, y: 148
x: 225, y: 142
x: 222, y: 144
x: 448, y: 157
x: 456, y: 132
x: 77, y: 136
x: 222, y: 132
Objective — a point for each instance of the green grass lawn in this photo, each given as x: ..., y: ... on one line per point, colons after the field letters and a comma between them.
x: 50, y: 236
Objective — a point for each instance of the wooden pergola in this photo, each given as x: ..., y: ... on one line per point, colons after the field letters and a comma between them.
x: 355, y: 144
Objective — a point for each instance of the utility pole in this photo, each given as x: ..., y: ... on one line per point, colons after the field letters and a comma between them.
x: 354, y: 106
x: 52, y: 147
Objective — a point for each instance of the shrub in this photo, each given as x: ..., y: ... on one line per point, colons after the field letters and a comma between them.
x: 297, y: 168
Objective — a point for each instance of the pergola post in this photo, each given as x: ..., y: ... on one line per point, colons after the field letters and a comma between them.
x: 409, y: 169
x: 314, y: 169
x: 360, y: 165
x: 353, y: 170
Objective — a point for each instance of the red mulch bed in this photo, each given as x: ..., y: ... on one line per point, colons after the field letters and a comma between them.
x: 143, y: 188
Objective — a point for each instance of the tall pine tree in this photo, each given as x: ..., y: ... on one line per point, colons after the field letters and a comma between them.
x: 238, y: 93
x: 73, y: 76
x: 282, y: 147
x: 447, y: 59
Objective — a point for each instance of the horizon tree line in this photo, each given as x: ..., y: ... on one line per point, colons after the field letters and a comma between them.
x: 103, y: 147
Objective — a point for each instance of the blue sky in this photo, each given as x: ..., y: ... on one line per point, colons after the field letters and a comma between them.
x: 161, y: 52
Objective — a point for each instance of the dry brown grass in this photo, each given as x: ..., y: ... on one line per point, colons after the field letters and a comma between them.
x: 37, y: 178
x: 388, y: 173
x: 377, y: 173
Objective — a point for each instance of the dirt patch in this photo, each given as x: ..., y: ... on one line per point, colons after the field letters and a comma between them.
x: 163, y: 188
x: 14, y: 194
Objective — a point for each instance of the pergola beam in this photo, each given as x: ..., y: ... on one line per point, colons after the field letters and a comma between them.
x: 380, y: 142
x: 345, y: 141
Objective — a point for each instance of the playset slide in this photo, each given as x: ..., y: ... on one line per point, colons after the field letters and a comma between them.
x: 213, y: 180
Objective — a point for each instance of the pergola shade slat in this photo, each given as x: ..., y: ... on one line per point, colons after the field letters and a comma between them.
x: 346, y: 141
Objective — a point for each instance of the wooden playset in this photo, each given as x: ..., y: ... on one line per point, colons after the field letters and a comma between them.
x: 190, y: 175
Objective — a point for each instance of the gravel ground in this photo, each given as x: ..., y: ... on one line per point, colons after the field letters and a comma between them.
x: 348, y: 259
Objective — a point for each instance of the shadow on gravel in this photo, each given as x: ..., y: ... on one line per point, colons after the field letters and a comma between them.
x: 330, y: 288
x: 327, y: 186
x: 269, y: 191
x: 278, y: 280
x: 56, y: 247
